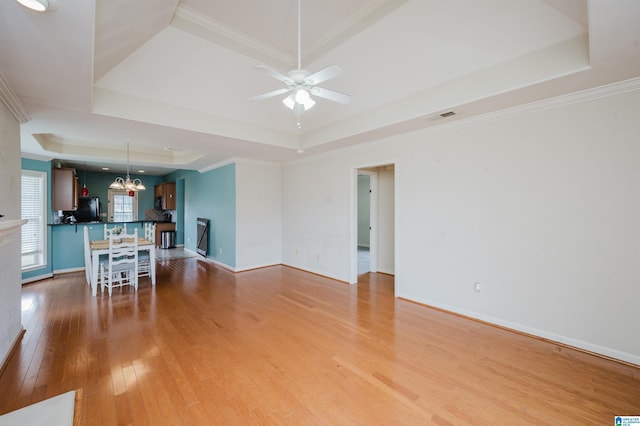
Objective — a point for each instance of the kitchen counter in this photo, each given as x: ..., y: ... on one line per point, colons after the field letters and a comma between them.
x: 109, y: 223
x: 67, y: 241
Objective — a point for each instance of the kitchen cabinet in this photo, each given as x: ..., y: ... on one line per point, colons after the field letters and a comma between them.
x: 167, y: 193
x: 65, y: 189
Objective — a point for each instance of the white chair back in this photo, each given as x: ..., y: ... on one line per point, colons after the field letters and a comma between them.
x: 122, y: 266
x: 109, y: 231
x: 150, y: 232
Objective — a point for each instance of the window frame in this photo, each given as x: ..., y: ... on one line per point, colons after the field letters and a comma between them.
x: 42, y: 226
x: 110, y: 209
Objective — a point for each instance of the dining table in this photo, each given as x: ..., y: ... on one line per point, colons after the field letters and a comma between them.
x: 101, y: 247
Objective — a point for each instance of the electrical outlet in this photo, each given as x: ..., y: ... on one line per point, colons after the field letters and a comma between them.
x: 220, y: 250
x: 476, y: 287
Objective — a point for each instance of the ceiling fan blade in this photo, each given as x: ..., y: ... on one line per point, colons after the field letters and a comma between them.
x: 270, y: 94
x: 274, y: 73
x: 331, y: 95
x: 323, y: 75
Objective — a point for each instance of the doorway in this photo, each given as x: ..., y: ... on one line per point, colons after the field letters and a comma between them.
x: 373, y: 247
x: 367, y: 201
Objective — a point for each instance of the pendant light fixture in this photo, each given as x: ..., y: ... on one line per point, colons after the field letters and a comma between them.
x: 127, y: 184
x: 85, y: 191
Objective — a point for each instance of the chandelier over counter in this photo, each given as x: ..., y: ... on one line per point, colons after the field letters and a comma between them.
x: 127, y: 184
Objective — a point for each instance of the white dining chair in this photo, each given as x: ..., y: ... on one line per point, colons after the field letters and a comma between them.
x: 108, y: 231
x: 150, y: 232
x: 87, y: 255
x: 144, y: 257
x: 121, y: 268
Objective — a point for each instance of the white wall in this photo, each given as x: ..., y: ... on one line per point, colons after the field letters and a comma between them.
x: 10, y: 280
x: 315, y: 215
x: 386, y: 220
x: 542, y: 208
x: 259, y: 214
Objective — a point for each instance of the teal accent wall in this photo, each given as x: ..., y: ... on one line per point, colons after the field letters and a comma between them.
x: 68, y: 242
x: 210, y: 195
x: 179, y: 217
x: 65, y: 243
x: 98, y: 186
x: 41, y: 166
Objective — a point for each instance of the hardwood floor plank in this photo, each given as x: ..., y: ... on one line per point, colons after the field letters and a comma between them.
x: 281, y: 346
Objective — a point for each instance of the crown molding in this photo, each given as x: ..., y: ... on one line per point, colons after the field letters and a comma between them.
x: 200, y: 25
x: 11, y: 101
x: 217, y: 165
x: 586, y: 95
x: 372, y: 12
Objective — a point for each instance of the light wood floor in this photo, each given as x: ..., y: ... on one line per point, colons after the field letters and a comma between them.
x: 280, y: 346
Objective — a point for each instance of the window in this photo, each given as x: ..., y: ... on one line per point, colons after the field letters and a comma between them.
x: 122, y: 207
x: 33, y: 208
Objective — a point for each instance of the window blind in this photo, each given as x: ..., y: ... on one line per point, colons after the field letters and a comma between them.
x: 32, y: 208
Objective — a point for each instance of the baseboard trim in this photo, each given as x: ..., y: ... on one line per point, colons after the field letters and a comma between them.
x: 254, y: 267
x: 67, y: 271
x: 12, y: 350
x: 38, y: 278
x: 566, y: 342
x: 320, y: 274
x: 217, y: 263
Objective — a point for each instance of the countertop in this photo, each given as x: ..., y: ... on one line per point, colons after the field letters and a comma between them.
x: 109, y: 223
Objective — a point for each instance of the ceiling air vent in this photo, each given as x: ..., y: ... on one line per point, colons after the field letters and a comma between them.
x: 447, y: 114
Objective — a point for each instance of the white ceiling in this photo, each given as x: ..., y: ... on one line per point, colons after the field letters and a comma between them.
x: 173, y: 78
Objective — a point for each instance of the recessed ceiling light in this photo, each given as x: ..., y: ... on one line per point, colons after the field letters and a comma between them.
x: 105, y: 168
x: 37, y: 5
x: 167, y: 148
x: 140, y: 171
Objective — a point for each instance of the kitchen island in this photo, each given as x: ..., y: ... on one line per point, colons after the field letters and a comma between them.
x: 67, y: 241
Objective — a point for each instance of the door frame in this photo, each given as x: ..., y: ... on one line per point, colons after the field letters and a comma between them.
x: 373, y: 218
x: 353, y: 221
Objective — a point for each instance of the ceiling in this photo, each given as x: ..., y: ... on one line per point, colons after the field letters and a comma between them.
x: 173, y: 78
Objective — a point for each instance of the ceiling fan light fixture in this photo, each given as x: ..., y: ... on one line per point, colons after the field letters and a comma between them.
x: 301, y: 84
x: 308, y: 104
x: 301, y: 97
x: 304, y: 99
x: 289, y: 101
x: 37, y: 5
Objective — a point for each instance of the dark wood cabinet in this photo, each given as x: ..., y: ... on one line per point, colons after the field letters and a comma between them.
x: 167, y: 193
x: 65, y: 189
x: 160, y: 226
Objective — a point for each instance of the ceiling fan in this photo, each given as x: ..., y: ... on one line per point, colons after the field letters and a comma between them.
x: 301, y: 84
